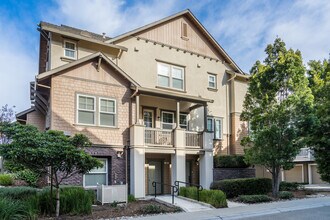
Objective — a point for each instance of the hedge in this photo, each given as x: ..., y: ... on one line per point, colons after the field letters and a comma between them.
x: 285, y: 195
x: 254, y: 198
x: 289, y: 186
x: 216, y: 198
x: 247, y: 186
x: 230, y: 161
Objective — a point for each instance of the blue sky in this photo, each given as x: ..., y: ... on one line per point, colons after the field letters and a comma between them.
x: 243, y: 28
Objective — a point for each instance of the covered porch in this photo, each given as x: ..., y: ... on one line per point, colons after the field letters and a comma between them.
x: 171, y: 126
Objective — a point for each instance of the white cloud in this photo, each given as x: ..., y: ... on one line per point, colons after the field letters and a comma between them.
x: 18, y: 66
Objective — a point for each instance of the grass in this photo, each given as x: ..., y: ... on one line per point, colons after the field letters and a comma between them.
x: 6, y: 180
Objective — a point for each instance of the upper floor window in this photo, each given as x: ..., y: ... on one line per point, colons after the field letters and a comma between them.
x: 167, y: 120
x: 170, y: 76
x: 183, y: 121
x: 212, y: 81
x: 215, y: 125
x: 87, y: 111
x: 184, y: 30
x: 70, y: 49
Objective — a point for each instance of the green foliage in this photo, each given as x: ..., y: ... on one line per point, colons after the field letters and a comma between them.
x: 319, y: 82
x: 247, y: 186
x: 216, y: 198
x: 230, y: 161
x: 114, y: 204
x: 151, y: 209
x: 10, y: 210
x: 29, y: 176
x: 6, y: 180
x: 254, y: 198
x: 278, y: 105
x: 18, y: 193
x: 289, y: 186
x: 7, y: 115
x: 131, y: 198
x: 285, y: 195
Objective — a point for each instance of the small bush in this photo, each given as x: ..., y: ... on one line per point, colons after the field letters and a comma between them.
x: 230, y: 161
x: 289, y: 186
x: 254, y: 198
x: 30, y: 177
x: 285, y: 195
x: 10, y: 209
x: 215, y: 198
x: 151, y: 209
x: 131, y: 198
x: 246, y: 186
x: 15, y: 193
x: 6, y: 180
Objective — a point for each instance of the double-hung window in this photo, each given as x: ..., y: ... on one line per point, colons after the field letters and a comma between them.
x: 170, y: 76
x: 97, y: 176
x: 183, y: 121
x: 212, y: 81
x: 215, y: 125
x: 167, y: 120
x: 86, y: 110
x: 70, y: 50
x: 107, y: 112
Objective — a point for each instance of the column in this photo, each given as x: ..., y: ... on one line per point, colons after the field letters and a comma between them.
x: 177, y: 114
x: 205, y: 117
x: 206, y: 169
x: 137, y: 112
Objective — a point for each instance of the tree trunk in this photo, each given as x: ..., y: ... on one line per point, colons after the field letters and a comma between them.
x: 57, y: 201
x: 275, y: 181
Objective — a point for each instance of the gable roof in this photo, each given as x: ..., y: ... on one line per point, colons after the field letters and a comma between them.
x: 198, y: 24
x: 78, y: 34
x: 47, y: 74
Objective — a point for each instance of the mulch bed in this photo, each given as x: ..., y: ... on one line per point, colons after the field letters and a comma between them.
x: 122, y: 210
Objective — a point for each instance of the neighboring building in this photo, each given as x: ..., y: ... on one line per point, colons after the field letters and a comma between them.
x: 167, y: 91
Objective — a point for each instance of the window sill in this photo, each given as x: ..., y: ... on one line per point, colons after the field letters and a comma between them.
x: 171, y: 89
x: 95, y: 126
x: 212, y: 89
x: 68, y: 59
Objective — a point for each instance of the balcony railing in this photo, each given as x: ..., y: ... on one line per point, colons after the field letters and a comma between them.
x: 194, y: 139
x: 158, y: 137
x: 305, y: 154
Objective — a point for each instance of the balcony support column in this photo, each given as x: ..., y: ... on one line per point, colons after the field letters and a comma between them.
x: 177, y: 114
x: 137, y: 111
x: 205, y: 117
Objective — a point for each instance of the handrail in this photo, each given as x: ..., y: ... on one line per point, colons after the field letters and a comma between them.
x: 174, y: 189
x: 199, y: 187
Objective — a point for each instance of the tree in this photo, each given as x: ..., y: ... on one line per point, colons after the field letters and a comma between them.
x: 319, y: 82
x: 49, y: 152
x: 278, y: 106
x: 6, y: 117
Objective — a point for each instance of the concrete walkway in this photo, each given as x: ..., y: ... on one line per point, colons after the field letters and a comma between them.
x: 247, y: 211
x: 318, y: 187
x: 186, y: 205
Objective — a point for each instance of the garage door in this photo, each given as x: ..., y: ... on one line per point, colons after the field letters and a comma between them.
x: 316, y: 178
x: 293, y: 175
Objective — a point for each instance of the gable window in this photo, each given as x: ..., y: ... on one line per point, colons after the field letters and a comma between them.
x: 183, y: 121
x: 86, y: 110
x: 107, y: 112
x: 167, y: 120
x: 215, y: 125
x: 70, y: 50
x: 170, y: 76
x: 97, y: 176
x: 184, y: 30
x: 212, y: 81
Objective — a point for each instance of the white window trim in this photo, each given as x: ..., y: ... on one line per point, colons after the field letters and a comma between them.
x: 171, y: 66
x: 77, y: 106
x: 183, y: 114
x: 110, y: 113
x: 152, y: 116
x: 75, y: 49
x: 106, y: 173
x: 172, y: 113
x: 221, y: 130
x: 210, y: 75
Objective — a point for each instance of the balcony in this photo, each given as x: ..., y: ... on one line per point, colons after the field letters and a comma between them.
x: 305, y: 154
x: 158, y: 137
x: 194, y: 139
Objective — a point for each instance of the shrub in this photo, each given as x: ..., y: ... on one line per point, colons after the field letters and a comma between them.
x: 285, y: 195
x: 289, y: 186
x: 230, y: 161
x: 151, y: 209
x: 215, y: 198
x: 10, y: 209
x: 254, y: 198
x: 30, y: 177
x: 6, y: 180
x: 16, y: 193
x: 131, y: 198
x: 247, y: 186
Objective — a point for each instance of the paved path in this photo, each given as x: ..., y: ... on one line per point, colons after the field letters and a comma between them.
x: 187, y: 206
x: 249, y: 211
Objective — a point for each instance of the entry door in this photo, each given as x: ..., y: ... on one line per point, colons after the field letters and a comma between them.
x: 148, y: 118
x: 188, y: 172
x: 155, y: 174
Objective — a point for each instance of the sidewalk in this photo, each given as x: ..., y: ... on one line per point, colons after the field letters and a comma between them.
x: 247, y: 211
x: 186, y: 205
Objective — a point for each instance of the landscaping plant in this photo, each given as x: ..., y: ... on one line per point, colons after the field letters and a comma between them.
x: 254, y: 198
x: 285, y: 195
x: 6, y: 180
